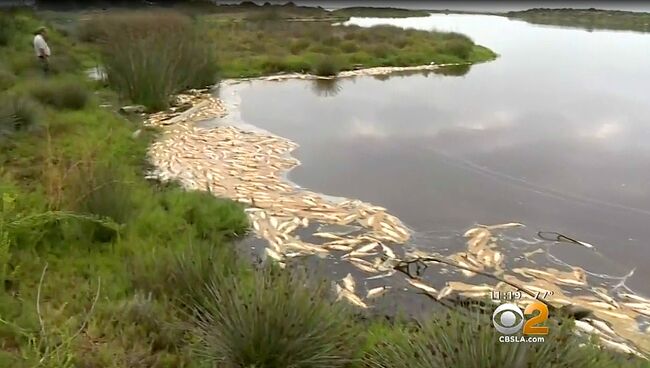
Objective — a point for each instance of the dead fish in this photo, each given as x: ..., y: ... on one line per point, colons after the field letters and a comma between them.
x: 422, y: 286
x: 349, y: 283
x: 634, y: 297
x: 504, y: 226
x: 377, y: 292
x: 620, y: 347
x: 356, y: 254
x: 446, y: 291
x: 387, y: 274
x: 345, y: 248
x: 388, y: 252
x: 327, y: 236
x: 273, y: 254
x: 473, y: 232
x: 605, y: 297
x: 350, y: 297
x: 363, y: 265
x: 602, y: 326
x: 367, y: 247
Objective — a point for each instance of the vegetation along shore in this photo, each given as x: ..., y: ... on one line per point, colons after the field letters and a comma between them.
x: 103, y: 267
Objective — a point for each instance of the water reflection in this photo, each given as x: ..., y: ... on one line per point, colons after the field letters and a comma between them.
x: 326, y: 87
x: 453, y: 70
x: 552, y: 134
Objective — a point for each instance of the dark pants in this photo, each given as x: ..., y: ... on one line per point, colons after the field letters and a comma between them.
x: 45, y: 64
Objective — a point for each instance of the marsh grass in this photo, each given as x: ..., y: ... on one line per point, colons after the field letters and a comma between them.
x: 461, y: 340
x: 7, y: 29
x: 149, y: 56
x: 277, y: 318
x: 326, y: 66
x: 244, y: 48
x: 18, y: 113
x: 62, y: 94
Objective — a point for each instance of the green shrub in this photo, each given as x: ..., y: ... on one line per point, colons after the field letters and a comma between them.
x: 276, y: 319
x: 179, y: 271
x: 455, y: 340
x: 18, y: 113
x: 298, y: 45
x: 7, y: 30
x: 460, y: 48
x: 210, y: 217
x: 62, y: 94
x: 382, y: 50
x: 7, y: 79
x: 148, y: 60
x: 274, y: 64
x: 326, y: 66
x: 100, y: 189
x: 349, y: 46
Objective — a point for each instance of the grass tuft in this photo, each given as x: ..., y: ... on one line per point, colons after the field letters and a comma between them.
x: 326, y: 66
x: 276, y: 319
x: 62, y: 94
x: 18, y: 113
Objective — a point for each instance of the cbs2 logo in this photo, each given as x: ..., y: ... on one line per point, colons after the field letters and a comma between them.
x: 508, y: 319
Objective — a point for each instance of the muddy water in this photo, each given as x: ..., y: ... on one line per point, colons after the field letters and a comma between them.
x: 554, y: 134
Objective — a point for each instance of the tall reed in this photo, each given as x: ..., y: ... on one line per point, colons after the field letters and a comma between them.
x: 150, y: 56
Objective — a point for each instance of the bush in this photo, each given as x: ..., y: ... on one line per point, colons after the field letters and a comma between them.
x: 7, y: 79
x: 276, y: 319
x: 298, y: 46
x: 211, y: 218
x: 7, y: 30
x: 18, y: 113
x: 349, y: 46
x: 180, y: 275
x: 100, y: 189
x: 150, y: 56
x: 455, y: 340
x: 326, y: 66
x: 457, y: 47
x: 62, y: 94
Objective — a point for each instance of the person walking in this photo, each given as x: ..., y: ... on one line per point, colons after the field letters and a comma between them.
x: 42, y: 49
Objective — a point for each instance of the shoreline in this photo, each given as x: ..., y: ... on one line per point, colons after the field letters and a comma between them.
x: 250, y: 165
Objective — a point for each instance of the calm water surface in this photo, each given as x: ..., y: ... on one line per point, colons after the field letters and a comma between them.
x: 555, y: 133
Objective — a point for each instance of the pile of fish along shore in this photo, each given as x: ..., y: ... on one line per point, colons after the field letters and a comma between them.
x: 381, y: 70
x: 249, y: 167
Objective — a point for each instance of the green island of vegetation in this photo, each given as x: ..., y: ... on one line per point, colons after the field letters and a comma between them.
x: 100, y: 267
x: 589, y: 19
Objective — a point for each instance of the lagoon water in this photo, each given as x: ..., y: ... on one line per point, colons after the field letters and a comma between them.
x: 555, y: 133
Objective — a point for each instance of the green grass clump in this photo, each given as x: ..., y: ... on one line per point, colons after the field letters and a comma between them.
x: 150, y: 56
x: 18, y: 113
x: 7, y: 79
x: 326, y: 66
x: 7, y: 29
x: 258, y: 48
x: 456, y: 340
x: 277, y: 318
x: 349, y: 46
x: 61, y: 94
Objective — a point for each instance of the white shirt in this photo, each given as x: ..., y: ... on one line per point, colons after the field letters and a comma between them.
x: 40, y: 44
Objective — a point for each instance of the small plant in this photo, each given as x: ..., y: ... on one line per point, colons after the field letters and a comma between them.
x: 61, y: 94
x: 7, y: 79
x: 349, y: 46
x: 326, y: 66
x: 276, y: 319
x: 99, y: 189
x: 461, y: 48
x: 7, y: 30
x: 17, y: 113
